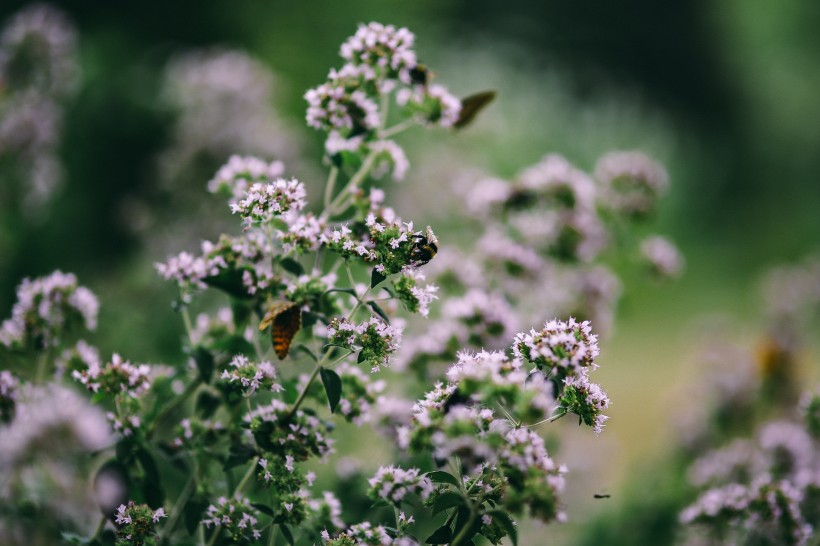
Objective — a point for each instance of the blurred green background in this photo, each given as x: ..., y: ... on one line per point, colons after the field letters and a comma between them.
x: 726, y: 94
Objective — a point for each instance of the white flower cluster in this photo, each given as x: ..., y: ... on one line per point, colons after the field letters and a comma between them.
x: 117, y: 377
x: 394, y: 484
x: 631, y: 182
x: 265, y: 201
x: 251, y: 376
x: 359, y: 394
x: 364, y: 534
x: 122, y: 517
x: 224, y: 100
x: 45, y: 307
x: 299, y: 435
x: 245, y: 253
x: 38, y: 71
x: 766, y: 509
x: 593, y: 404
x: 236, y: 516
x: 375, y: 340
x: 380, y: 60
x: 662, y: 257
x: 236, y: 176
x: 566, y: 348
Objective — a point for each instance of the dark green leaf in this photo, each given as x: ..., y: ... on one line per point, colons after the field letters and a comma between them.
x: 471, y: 106
x: 310, y: 318
x: 204, y: 363
x: 503, y: 520
x: 333, y: 387
x: 379, y: 311
x: 463, y: 519
x: 98, y: 397
x: 439, y: 476
x: 207, y: 403
x: 238, y: 455
x: 361, y: 358
x: 124, y: 451
x: 151, y: 485
x: 442, y: 535
x: 446, y: 500
x: 242, y: 312
x: 74, y: 538
x: 292, y: 266
x: 344, y: 290
x: 230, y: 282
x: 376, y: 278
x: 287, y: 534
x: 192, y: 514
x: 264, y: 508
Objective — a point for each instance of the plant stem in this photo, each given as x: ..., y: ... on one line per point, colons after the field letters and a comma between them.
x: 330, y: 185
x: 178, y: 401
x: 398, y: 128
x: 462, y: 535
x: 177, y: 510
x: 100, y: 527
x: 247, y: 477
x: 352, y: 184
x: 302, y: 394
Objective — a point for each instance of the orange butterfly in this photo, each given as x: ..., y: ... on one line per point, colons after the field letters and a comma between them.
x: 284, y: 319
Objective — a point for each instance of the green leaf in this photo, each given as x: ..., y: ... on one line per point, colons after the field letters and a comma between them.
x: 471, y: 106
x: 74, y: 538
x: 361, y: 358
x: 503, y: 520
x: 462, y: 520
x: 230, y: 282
x: 292, y: 266
x: 333, y: 387
x: 98, y: 397
x: 442, y: 535
x: 239, y: 454
x: 446, y: 500
x: 204, y: 363
x: 286, y: 532
x: 264, y: 508
x: 151, y: 485
x: 376, y: 278
x: 207, y: 403
x: 378, y: 310
x: 344, y: 290
x: 192, y: 514
x: 439, y: 476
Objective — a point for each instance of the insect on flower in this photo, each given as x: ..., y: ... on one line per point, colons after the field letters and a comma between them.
x: 425, y: 248
x: 284, y: 319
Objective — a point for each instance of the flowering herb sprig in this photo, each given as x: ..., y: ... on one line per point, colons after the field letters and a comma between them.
x: 318, y: 290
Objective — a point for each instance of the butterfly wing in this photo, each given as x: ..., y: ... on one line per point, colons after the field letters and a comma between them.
x: 285, y: 320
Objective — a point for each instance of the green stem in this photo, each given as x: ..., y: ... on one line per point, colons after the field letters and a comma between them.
x: 302, y: 394
x: 396, y: 129
x: 100, y: 527
x: 351, y: 185
x: 177, y: 510
x: 272, y: 535
x: 178, y: 401
x: 462, y: 535
x: 186, y: 320
x: 247, y: 477
x: 330, y: 186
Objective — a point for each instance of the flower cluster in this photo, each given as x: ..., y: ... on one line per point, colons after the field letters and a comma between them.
x: 393, y: 484
x: 561, y: 349
x: 374, y: 339
x: 223, y: 99
x: 38, y: 72
x: 8, y: 395
x: 662, y: 257
x: 263, y: 202
x: 236, y: 176
x: 632, y: 182
x: 46, y: 309
x: 359, y: 393
x: 299, y: 435
x: 416, y: 298
x: 116, y: 377
x: 364, y: 534
x: 136, y: 523
x: 248, y: 377
x: 348, y: 106
x: 236, y: 517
